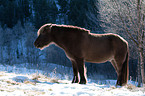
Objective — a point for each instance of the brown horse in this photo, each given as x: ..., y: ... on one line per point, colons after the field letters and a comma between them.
x: 80, y: 45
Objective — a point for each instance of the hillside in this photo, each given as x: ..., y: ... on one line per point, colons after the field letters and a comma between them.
x: 32, y: 82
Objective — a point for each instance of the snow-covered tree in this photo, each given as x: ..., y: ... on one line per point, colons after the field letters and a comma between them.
x: 126, y: 17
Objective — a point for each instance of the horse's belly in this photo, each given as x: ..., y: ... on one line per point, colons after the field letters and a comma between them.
x: 99, y: 58
x: 99, y: 53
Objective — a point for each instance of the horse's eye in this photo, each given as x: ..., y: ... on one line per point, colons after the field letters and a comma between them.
x: 43, y: 32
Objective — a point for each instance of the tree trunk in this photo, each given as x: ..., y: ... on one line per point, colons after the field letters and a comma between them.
x: 142, y: 64
x: 140, y: 39
x: 141, y: 67
x: 139, y: 72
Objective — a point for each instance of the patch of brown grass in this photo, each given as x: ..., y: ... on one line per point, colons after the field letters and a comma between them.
x: 3, y: 74
x: 29, y: 82
x: 11, y: 82
x: 130, y: 86
x: 44, y: 78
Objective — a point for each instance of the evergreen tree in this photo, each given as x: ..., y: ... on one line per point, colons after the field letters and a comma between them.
x: 23, y: 11
x: 63, y: 5
x: 13, y: 11
x: 45, y: 12
x: 84, y: 13
x: 63, y: 11
x: 8, y: 16
x: 93, y: 16
x: 77, y: 12
x: 26, y: 9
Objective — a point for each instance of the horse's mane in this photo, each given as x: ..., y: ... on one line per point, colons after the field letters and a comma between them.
x: 71, y: 27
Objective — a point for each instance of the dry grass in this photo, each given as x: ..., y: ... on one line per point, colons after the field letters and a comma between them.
x: 29, y: 82
x: 43, y: 78
x: 33, y: 93
x: 3, y: 74
x: 130, y: 86
x: 11, y: 82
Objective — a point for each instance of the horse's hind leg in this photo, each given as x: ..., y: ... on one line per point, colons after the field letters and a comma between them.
x: 114, y: 65
x: 118, y: 71
x: 75, y: 71
x: 122, y: 70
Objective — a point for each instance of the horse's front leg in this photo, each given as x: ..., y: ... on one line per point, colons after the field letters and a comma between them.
x: 81, y: 69
x: 75, y: 71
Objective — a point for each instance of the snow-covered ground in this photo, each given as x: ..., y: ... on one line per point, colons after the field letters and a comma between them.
x: 20, y: 81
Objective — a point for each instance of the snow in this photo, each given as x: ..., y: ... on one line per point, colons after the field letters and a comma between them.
x: 20, y: 81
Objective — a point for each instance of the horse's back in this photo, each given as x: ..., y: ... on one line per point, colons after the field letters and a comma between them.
x: 103, y: 47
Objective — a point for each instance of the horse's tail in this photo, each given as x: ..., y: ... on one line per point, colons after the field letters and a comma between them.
x: 125, y: 70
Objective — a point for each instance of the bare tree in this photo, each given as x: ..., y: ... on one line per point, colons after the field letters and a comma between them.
x: 126, y: 17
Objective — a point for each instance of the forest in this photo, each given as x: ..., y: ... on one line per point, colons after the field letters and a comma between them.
x: 21, y: 19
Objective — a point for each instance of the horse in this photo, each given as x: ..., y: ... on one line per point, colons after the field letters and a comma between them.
x: 81, y: 46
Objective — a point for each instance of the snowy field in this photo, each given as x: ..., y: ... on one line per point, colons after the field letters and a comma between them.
x: 21, y: 81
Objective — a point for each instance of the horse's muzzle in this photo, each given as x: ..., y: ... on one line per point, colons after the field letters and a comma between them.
x: 36, y: 44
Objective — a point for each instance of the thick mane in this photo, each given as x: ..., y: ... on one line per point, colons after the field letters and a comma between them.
x: 71, y: 27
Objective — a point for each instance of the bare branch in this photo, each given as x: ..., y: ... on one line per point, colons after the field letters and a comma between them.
x: 124, y: 24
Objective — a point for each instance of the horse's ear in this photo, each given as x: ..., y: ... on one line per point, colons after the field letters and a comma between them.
x: 48, y: 27
x: 49, y: 24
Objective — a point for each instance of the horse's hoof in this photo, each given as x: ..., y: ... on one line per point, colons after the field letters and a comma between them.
x: 75, y: 81
x: 120, y: 83
x: 82, y: 82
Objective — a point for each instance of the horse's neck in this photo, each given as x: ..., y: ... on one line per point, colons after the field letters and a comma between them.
x: 59, y: 38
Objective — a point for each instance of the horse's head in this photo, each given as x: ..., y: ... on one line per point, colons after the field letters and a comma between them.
x: 44, y: 36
